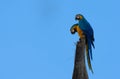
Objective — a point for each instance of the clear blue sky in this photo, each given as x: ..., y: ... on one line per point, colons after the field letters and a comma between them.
x: 35, y: 41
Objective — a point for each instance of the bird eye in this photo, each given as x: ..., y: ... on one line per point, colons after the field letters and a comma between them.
x: 79, y: 17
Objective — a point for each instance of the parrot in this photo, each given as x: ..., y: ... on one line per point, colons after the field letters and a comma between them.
x: 84, y: 29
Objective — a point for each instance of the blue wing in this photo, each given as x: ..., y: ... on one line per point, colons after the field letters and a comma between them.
x: 88, y: 31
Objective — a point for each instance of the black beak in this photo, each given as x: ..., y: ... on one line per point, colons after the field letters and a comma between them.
x: 76, y: 18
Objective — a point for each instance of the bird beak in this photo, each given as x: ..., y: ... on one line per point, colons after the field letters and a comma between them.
x: 76, y: 18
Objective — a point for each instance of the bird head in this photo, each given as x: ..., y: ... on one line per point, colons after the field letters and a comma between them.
x: 73, y: 29
x: 78, y: 17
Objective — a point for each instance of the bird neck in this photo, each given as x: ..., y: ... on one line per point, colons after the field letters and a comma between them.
x: 82, y: 21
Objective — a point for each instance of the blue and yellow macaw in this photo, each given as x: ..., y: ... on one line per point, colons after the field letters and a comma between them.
x: 84, y: 29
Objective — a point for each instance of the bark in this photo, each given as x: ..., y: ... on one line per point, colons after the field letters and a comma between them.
x: 80, y: 71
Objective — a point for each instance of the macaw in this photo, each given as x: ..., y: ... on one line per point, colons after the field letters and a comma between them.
x: 84, y: 29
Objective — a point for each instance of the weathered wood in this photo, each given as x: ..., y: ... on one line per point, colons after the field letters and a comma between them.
x: 80, y: 71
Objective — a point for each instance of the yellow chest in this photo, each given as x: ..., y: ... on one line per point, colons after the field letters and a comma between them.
x: 80, y: 32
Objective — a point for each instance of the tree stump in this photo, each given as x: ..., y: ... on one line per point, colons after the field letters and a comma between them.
x: 80, y: 71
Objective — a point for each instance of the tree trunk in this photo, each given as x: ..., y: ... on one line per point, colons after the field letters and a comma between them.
x: 80, y: 71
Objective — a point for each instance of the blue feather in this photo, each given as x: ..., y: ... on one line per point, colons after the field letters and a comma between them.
x: 88, y: 31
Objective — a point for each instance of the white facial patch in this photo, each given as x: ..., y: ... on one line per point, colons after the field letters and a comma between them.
x: 72, y: 30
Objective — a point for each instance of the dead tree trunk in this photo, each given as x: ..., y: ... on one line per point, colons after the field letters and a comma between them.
x: 80, y: 71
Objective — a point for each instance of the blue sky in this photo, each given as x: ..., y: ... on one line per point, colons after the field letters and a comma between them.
x: 35, y: 41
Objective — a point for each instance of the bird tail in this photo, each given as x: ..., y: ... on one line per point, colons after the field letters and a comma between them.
x: 93, y: 41
x: 88, y: 55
